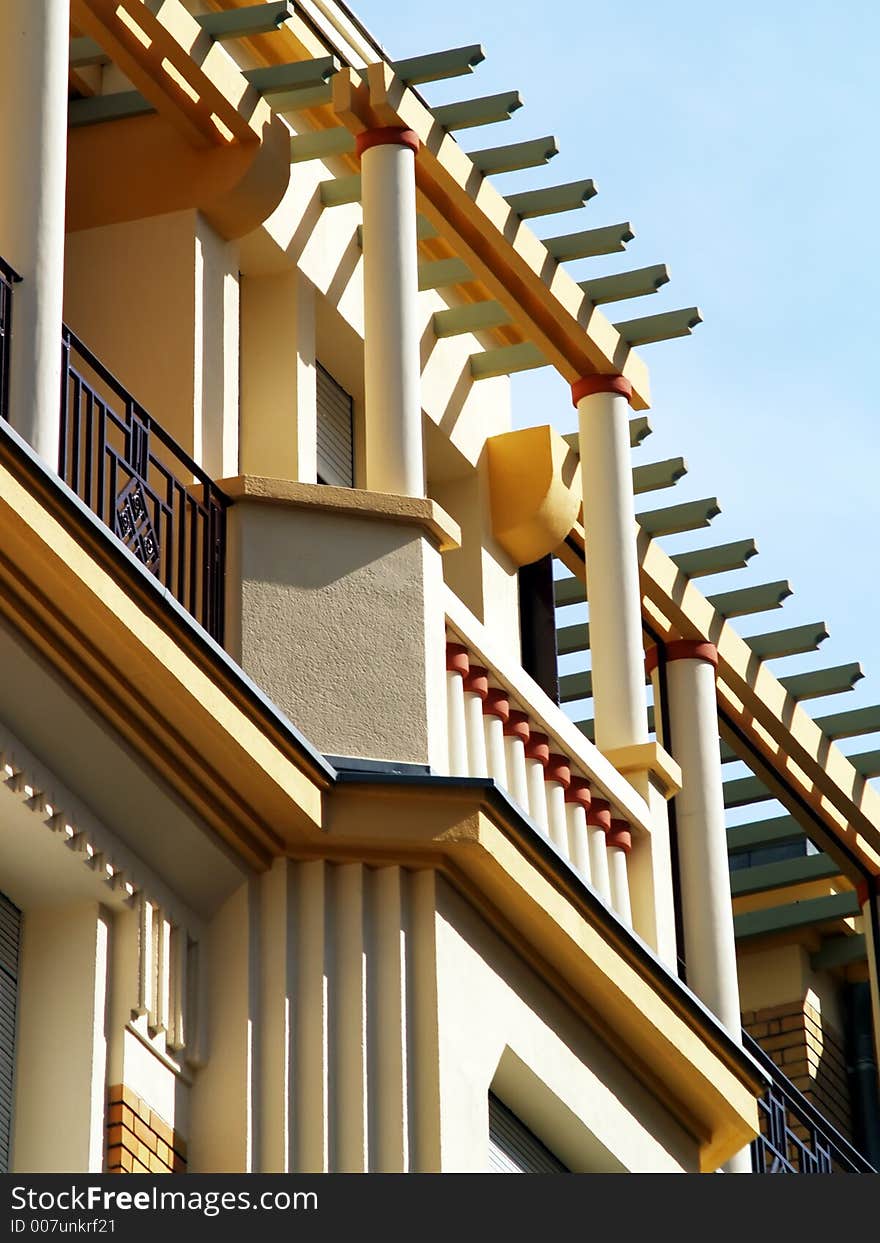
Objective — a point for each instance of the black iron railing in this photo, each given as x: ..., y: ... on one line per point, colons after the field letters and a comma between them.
x: 795, y: 1138
x: 142, y: 484
x: 8, y: 278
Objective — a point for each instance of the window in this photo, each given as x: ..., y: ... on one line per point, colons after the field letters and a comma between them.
x: 10, y: 937
x: 513, y: 1148
x: 335, y: 432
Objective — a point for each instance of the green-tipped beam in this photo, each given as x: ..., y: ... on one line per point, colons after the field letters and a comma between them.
x: 796, y: 871
x: 745, y: 600
x: 95, y: 109
x: 718, y: 560
x: 792, y: 642
x: 639, y: 430
x: 298, y: 75
x: 505, y: 360
x: 571, y: 639
x: 552, y: 199
x: 655, y: 475
x: 338, y: 191
x: 475, y: 317
x: 690, y: 516
x: 775, y: 831
x: 660, y: 327
x: 569, y: 590
x: 514, y: 156
x: 742, y: 791
x: 795, y: 915
x: 851, y: 724
x: 574, y: 686
x: 487, y: 110
x: 86, y: 52
x: 841, y: 951
x: 436, y: 66
x: 866, y: 763
x: 440, y: 273
x: 322, y: 144
x: 256, y: 19
x: 623, y: 285
x: 819, y: 682
x: 590, y: 242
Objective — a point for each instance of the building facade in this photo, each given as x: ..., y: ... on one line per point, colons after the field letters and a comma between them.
x: 306, y: 865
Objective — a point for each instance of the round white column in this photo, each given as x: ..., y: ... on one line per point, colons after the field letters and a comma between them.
x: 457, y: 669
x: 476, y: 688
x: 496, y: 713
x: 34, y: 50
x: 707, y: 910
x: 615, y: 598
x: 557, y: 779
x: 537, y: 759
x: 618, y: 845
x: 598, y: 828
x: 516, y: 736
x: 392, y: 363
x: 577, y: 804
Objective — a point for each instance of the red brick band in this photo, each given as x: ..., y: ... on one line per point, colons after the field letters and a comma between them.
x: 477, y: 681
x: 579, y: 792
x: 599, y: 815
x: 587, y: 385
x: 387, y: 136
x: 457, y: 659
x: 619, y: 836
x: 497, y: 703
x: 538, y: 748
x: 559, y: 770
x: 517, y: 726
x: 682, y: 649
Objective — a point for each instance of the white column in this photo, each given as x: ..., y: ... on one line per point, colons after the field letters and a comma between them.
x: 457, y: 667
x: 537, y: 759
x: 392, y: 363
x: 557, y: 779
x: 598, y: 828
x: 618, y: 845
x: 706, y: 905
x: 577, y: 802
x: 516, y: 735
x: 496, y: 713
x: 476, y: 688
x: 34, y: 49
x: 602, y: 404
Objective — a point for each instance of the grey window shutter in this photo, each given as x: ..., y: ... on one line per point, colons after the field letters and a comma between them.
x: 10, y: 939
x: 335, y: 432
x: 513, y: 1148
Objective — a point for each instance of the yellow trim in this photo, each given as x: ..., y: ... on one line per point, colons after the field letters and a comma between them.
x: 533, y: 507
x: 442, y: 530
x: 650, y: 758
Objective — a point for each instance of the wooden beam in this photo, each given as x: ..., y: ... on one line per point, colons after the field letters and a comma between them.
x: 590, y: 242
x: 256, y: 19
x: 775, y: 644
x: 506, y: 359
x: 690, y: 516
x: 440, y: 273
x: 775, y: 831
x: 660, y: 327
x: 745, y: 600
x: 322, y: 144
x: 782, y: 872
x: 718, y: 560
x: 820, y: 682
x: 655, y: 475
x: 468, y: 113
x: 852, y: 723
x: 552, y: 199
x: 741, y: 791
x: 795, y: 915
x: 514, y: 156
x: 473, y: 317
x: 436, y: 66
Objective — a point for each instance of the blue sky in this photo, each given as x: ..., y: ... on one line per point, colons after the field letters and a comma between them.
x: 741, y: 141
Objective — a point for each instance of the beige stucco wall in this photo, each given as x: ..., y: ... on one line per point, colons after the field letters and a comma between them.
x: 339, y: 620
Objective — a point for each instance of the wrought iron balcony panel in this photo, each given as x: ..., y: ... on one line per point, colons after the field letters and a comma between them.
x: 142, y: 485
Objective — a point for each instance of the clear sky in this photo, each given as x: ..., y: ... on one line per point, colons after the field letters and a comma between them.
x: 741, y: 142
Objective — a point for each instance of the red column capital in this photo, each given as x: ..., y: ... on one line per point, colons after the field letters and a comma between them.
x: 387, y: 136
x: 587, y: 385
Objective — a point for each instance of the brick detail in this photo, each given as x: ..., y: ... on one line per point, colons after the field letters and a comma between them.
x: 138, y: 1140
x: 810, y: 1053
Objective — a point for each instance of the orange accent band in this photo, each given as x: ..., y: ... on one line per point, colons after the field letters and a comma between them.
x: 620, y: 836
x: 587, y: 385
x: 497, y: 703
x: 579, y: 792
x: 538, y: 748
x: 599, y: 815
x: 457, y: 659
x: 477, y: 681
x: 559, y: 769
x: 517, y: 726
x: 682, y: 649
x: 387, y: 136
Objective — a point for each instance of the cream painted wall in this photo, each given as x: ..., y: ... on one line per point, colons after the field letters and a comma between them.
x: 783, y: 973
x: 62, y: 1040
x: 502, y: 1028
x: 157, y: 301
x: 340, y: 620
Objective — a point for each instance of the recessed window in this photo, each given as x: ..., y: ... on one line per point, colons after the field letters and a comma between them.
x: 513, y: 1148
x: 335, y: 432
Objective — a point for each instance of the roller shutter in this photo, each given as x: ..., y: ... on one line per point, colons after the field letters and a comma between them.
x: 10, y: 937
x: 513, y: 1148
x: 335, y: 432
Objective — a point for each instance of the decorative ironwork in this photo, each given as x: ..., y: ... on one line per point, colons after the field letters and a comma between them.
x: 795, y: 1138
x: 8, y: 278
x: 142, y: 484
